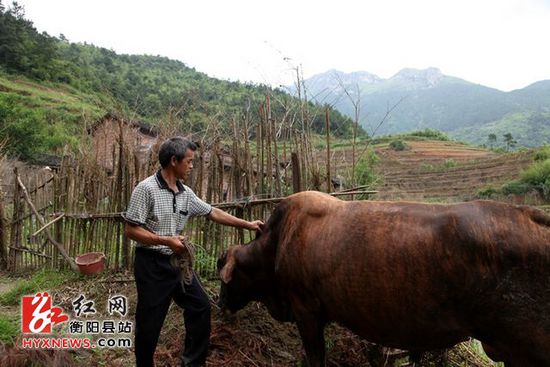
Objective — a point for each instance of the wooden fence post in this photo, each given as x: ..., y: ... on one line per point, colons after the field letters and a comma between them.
x: 296, y: 181
x: 15, y: 235
x: 3, y: 240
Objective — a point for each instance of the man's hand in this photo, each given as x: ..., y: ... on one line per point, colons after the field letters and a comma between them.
x: 255, y: 225
x: 176, y: 244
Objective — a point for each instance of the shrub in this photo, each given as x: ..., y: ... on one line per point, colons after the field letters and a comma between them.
x: 364, y: 170
x: 431, y: 133
x: 516, y: 188
x: 538, y: 177
x: 487, y: 193
x: 542, y: 154
x: 398, y: 145
x: 450, y: 163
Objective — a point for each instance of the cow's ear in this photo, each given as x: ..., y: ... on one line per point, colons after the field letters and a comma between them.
x: 227, y: 271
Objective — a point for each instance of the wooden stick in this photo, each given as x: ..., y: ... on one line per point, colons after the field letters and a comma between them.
x: 47, y: 225
x: 41, y: 220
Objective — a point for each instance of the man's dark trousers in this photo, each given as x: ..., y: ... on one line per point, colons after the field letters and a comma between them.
x: 157, y: 285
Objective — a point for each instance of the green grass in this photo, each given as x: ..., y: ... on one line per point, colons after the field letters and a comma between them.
x: 40, y: 281
x: 447, y: 165
x: 9, y: 328
x: 542, y: 153
x: 41, y: 118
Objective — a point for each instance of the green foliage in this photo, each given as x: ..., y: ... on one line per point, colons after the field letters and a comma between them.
x: 538, y: 177
x: 542, y: 154
x: 40, y: 281
x: 9, y: 328
x: 535, y: 178
x: 491, y: 140
x: 516, y: 187
x: 509, y: 141
x: 442, y: 167
x: 31, y: 130
x: 204, y: 261
x: 22, y: 48
x: 365, y: 173
x: 426, y: 167
x: 426, y: 134
x: 431, y: 134
x: 398, y: 145
x: 450, y: 163
x: 487, y: 193
x: 528, y: 128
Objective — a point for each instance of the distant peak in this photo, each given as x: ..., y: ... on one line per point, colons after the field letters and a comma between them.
x: 411, y: 72
x: 429, y: 77
x: 347, y: 78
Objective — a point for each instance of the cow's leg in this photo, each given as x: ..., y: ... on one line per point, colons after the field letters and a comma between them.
x: 312, y: 333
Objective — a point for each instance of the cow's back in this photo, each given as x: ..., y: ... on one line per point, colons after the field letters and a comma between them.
x: 417, y: 276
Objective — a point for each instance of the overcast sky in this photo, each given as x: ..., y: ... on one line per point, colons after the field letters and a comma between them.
x: 502, y: 44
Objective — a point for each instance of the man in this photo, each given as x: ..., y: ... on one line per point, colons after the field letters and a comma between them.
x: 158, y: 210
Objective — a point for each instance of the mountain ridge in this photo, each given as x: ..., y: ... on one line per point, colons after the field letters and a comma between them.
x: 427, y: 98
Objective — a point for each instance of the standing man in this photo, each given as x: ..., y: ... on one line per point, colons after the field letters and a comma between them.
x: 158, y: 210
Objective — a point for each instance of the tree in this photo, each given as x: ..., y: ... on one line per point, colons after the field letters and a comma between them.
x: 509, y: 140
x: 492, y: 140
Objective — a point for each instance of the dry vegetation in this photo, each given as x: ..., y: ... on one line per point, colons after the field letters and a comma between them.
x: 249, y: 338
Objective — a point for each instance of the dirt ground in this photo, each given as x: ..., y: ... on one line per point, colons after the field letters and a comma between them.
x: 249, y: 338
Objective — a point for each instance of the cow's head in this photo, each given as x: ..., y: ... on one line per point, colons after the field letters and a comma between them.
x: 237, y: 280
x: 246, y: 273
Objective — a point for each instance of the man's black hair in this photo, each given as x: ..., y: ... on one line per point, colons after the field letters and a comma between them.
x: 177, y: 147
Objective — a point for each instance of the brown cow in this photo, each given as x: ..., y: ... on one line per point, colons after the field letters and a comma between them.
x: 405, y: 275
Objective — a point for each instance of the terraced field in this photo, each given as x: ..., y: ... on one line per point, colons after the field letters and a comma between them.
x: 439, y: 171
x: 444, y: 171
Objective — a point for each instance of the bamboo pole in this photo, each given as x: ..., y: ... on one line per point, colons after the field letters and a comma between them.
x: 267, y: 125
x: 276, y: 156
x: 248, y: 156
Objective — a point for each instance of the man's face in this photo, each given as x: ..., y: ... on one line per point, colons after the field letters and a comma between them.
x: 184, y: 167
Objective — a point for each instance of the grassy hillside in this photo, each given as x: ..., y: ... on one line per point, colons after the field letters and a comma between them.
x: 530, y: 129
x: 42, y: 117
x: 49, y: 86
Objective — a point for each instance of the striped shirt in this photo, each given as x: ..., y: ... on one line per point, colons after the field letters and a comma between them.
x: 160, y: 210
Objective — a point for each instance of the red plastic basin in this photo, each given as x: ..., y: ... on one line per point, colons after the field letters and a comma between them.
x: 91, y: 263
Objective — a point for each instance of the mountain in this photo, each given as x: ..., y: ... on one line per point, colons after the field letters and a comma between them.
x: 420, y: 99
